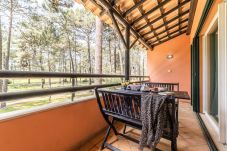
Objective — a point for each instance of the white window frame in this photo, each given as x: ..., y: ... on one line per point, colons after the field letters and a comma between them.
x: 220, y: 20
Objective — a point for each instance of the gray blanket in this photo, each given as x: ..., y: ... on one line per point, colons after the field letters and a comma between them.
x: 153, y: 115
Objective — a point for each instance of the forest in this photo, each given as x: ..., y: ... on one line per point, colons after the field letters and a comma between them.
x: 57, y: 36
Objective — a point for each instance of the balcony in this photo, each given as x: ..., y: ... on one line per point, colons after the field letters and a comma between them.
x: 183, y: 42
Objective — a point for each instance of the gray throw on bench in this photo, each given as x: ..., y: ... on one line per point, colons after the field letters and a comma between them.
x: 153, y: 117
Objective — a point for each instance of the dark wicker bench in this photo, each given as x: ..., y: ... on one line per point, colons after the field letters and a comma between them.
x: 125, y: 108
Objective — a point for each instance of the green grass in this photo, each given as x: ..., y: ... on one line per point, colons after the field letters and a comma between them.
x: 16, y: 85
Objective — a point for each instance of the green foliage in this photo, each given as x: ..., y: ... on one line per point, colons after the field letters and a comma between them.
x: 55, y: 36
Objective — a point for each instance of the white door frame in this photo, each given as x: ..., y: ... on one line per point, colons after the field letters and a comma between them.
x: 206, y: 72
x: 219, y: 19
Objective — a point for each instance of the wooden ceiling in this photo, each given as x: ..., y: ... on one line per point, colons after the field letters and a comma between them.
x: 151, y: 22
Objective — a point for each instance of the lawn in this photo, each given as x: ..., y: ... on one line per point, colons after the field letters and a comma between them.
x: 16, y: 85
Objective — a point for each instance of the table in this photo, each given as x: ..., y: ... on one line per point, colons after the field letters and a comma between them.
x: 176, y: 94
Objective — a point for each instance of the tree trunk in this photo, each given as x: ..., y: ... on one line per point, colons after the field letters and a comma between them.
x: 41, y: 68
x: 89, y: 56
x: 120, y: 58
x: 109, y: 47
x: 5, y: 82
x: 70, y: 55
x: 98, y: 50
x: 3, y: 104
x: 115, y: 55
x: 1, y: 82
x: 29, y: 69
x: 49, y: 69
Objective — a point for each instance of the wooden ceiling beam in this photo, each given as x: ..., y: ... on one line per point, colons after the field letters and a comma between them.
x: 164, y: 15
x: 170, y: 38
x: 169, y: 28
x: 193, y: 6
x: 164, y: 19
x: 147, y: 20
x: 179, y: 30
x: 116, y: 25
x: 168, y: 22
x: 150, y: 11
x: 107, y: 6
x: 133, y: 43
x: 133, y: 8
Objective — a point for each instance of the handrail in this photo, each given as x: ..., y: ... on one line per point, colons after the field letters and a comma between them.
x: 38, y: 74
x: 34, y: 93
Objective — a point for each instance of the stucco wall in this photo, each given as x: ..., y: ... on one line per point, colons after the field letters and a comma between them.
x: 158, y: 64
x: 60, y: 129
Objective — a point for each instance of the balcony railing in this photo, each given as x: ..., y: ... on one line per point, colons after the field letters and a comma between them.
x: 50, y: 91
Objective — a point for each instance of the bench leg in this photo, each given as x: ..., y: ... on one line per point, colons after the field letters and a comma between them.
x: 174, y: 145
x: 105, y: 144
x: 106, y: 136
x: 124, y: 130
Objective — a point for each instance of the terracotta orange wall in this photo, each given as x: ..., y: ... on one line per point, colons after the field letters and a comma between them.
x: 59, y: 129
x: 158, y: 64
x: 198, y: 14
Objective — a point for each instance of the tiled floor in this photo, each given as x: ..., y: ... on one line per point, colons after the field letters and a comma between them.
x: 190, y: 137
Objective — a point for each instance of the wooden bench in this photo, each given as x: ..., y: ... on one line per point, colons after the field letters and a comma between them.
x: 126, y: 108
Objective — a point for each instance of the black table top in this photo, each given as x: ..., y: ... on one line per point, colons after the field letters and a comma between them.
x: 176, y: 94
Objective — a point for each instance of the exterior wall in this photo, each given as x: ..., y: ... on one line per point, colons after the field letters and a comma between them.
x: 198, y: 14
x: 180, y: 65
x: 60, y: 129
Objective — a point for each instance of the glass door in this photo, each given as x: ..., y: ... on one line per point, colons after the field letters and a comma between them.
x: 213, y: 80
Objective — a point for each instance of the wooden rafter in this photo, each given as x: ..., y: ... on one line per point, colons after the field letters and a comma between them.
x: 147, y: 20
x: 171, y: 33
x: 116, y: 25
x: 164, y: 15
x: 164, y: 19
x: 168, y: 22
x: 179, y: 12
x: 170, y: 38
x: 150, y: 11
x: 145, y: 27
x: 133, y: 7
x: 133, y: 42
x: 124, y: 21
x: 193, y: 6
x: 169, y: 28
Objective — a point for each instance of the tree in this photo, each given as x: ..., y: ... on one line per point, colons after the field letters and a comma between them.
x: 10, y: 26
x: 1, y: 82
x: 86, y: 24
x: 98, y: 50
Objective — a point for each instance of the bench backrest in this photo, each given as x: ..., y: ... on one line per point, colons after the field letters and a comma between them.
x: 169, y: 86
x: 120, y: 104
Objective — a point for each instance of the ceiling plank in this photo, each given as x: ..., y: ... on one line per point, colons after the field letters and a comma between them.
x: 193, y: 6
x: 164, y: 19
x: 133, y: 8
x: 169, y: 28
x: 168, y: 22
x: 164, y: 15
x: 147, y: 20
x: 179, y: 30
x: 150, y: 11
x: 170, y: 38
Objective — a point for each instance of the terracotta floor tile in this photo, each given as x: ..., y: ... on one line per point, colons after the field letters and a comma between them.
x: 190, y: 136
